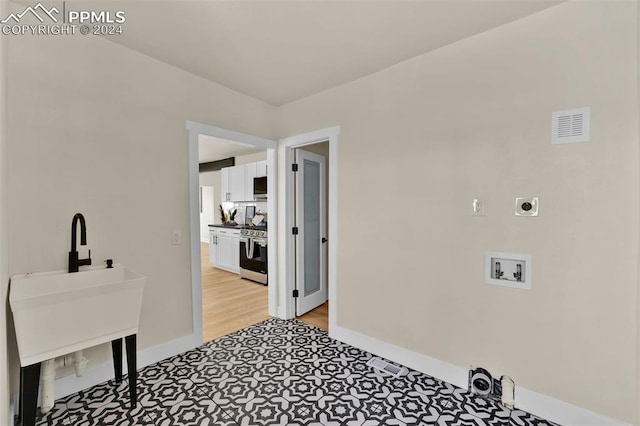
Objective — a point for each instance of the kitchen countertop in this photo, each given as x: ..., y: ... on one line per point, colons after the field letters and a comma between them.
x: 219, y: 225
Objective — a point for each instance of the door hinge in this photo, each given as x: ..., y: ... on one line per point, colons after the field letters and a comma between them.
x: 294, y: 230
x: 295, y: 293
x: 294, y: 167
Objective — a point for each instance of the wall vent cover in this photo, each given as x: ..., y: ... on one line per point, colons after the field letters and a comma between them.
x: 382, y: 365
x: 570, y: 126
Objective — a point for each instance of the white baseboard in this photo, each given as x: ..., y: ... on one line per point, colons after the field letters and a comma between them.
x: 541, y: 405
x: 68, y: 385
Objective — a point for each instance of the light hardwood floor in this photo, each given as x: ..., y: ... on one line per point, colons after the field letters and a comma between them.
x: 319, y: 317
x: 230, y: 303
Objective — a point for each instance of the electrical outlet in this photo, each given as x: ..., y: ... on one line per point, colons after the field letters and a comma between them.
x: 176, y: 238
x: 527, y: 206
x: 477, y: 207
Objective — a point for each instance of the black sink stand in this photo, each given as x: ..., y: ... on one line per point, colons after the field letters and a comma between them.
x: 30, y: 380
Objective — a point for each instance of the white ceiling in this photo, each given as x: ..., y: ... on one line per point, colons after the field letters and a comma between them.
x: 282, y: 51
x: 212, y: 149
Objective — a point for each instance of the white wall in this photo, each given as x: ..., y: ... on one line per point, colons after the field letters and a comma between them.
x: 637, y: 403
x: 214, y: 179
x: 4, y: 254
x: 100, y: 129
x: 473, y: 120
x: 102, y: 132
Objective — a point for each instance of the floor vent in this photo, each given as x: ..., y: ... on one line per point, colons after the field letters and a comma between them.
x: 382, y: 365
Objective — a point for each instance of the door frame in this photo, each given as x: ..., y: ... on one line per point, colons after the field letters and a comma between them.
x: 286, y: 258
x: 194, y: 130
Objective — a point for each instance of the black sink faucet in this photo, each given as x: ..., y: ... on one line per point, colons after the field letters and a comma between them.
x: 74, y: 262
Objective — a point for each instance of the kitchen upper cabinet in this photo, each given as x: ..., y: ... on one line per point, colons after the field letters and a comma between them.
x: 237, y: 181
x: 234, y: 186
x: 251, y: 173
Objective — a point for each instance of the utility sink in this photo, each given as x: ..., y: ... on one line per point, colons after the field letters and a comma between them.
x: 56, y: 313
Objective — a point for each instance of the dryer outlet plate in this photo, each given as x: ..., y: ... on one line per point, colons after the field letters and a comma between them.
x: 527, y: 206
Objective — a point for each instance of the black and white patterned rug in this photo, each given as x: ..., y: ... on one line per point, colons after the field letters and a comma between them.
x: 280, y: 372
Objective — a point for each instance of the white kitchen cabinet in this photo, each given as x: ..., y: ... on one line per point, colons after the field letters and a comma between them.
x: 227, y: 249
x: 261, y: 168
x: 250, y: 173
x: 212, y: 247
x: 234, y: 184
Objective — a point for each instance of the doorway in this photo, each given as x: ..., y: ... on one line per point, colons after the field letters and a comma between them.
x: 310, y: 205
x: 280, y: 242
x: 200, y: 253
x: 324, y: 141
x: 233, y: 269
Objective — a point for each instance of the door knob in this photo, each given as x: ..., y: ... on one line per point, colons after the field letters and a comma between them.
x: 324, y: 240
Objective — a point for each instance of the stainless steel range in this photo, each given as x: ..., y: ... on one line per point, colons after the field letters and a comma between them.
x: 253, y: 255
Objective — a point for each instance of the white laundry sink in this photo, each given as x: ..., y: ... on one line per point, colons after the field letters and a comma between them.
x: 56, y: 313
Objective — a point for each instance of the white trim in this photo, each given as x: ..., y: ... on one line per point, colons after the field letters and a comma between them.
x: 286, y: 303
x: 275, y: 285
x: 14, y: 400
x: 68, y: 385
x: 194, y: 130
x: 541, y: 405
x: 194, y: 232
x: 231, y: 135
x: 286, y: 259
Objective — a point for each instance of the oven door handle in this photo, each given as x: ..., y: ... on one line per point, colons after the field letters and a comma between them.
x: 249, y: 248
x: 247, y: 242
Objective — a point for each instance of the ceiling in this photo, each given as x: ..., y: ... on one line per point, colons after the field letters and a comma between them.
x: 212, y: 149
x: 282, y: 51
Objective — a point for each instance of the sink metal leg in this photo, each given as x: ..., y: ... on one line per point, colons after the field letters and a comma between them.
x: 29, y: 383
x: 116, y: 350
x: 132, y: 371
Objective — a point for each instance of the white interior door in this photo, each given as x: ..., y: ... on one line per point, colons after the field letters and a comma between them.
x: 206, y: 212
x: 311, y: 258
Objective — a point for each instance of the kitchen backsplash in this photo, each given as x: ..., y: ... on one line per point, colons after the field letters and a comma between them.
x: 261, y: 207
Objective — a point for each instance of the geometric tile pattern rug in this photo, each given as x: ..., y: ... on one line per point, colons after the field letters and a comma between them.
x: 280, y: 372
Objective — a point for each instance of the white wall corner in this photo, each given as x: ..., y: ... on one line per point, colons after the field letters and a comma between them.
x: 541, y: 405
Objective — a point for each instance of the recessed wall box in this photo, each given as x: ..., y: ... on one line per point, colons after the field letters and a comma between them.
x: 527, y: 206
x: 508, y: 269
